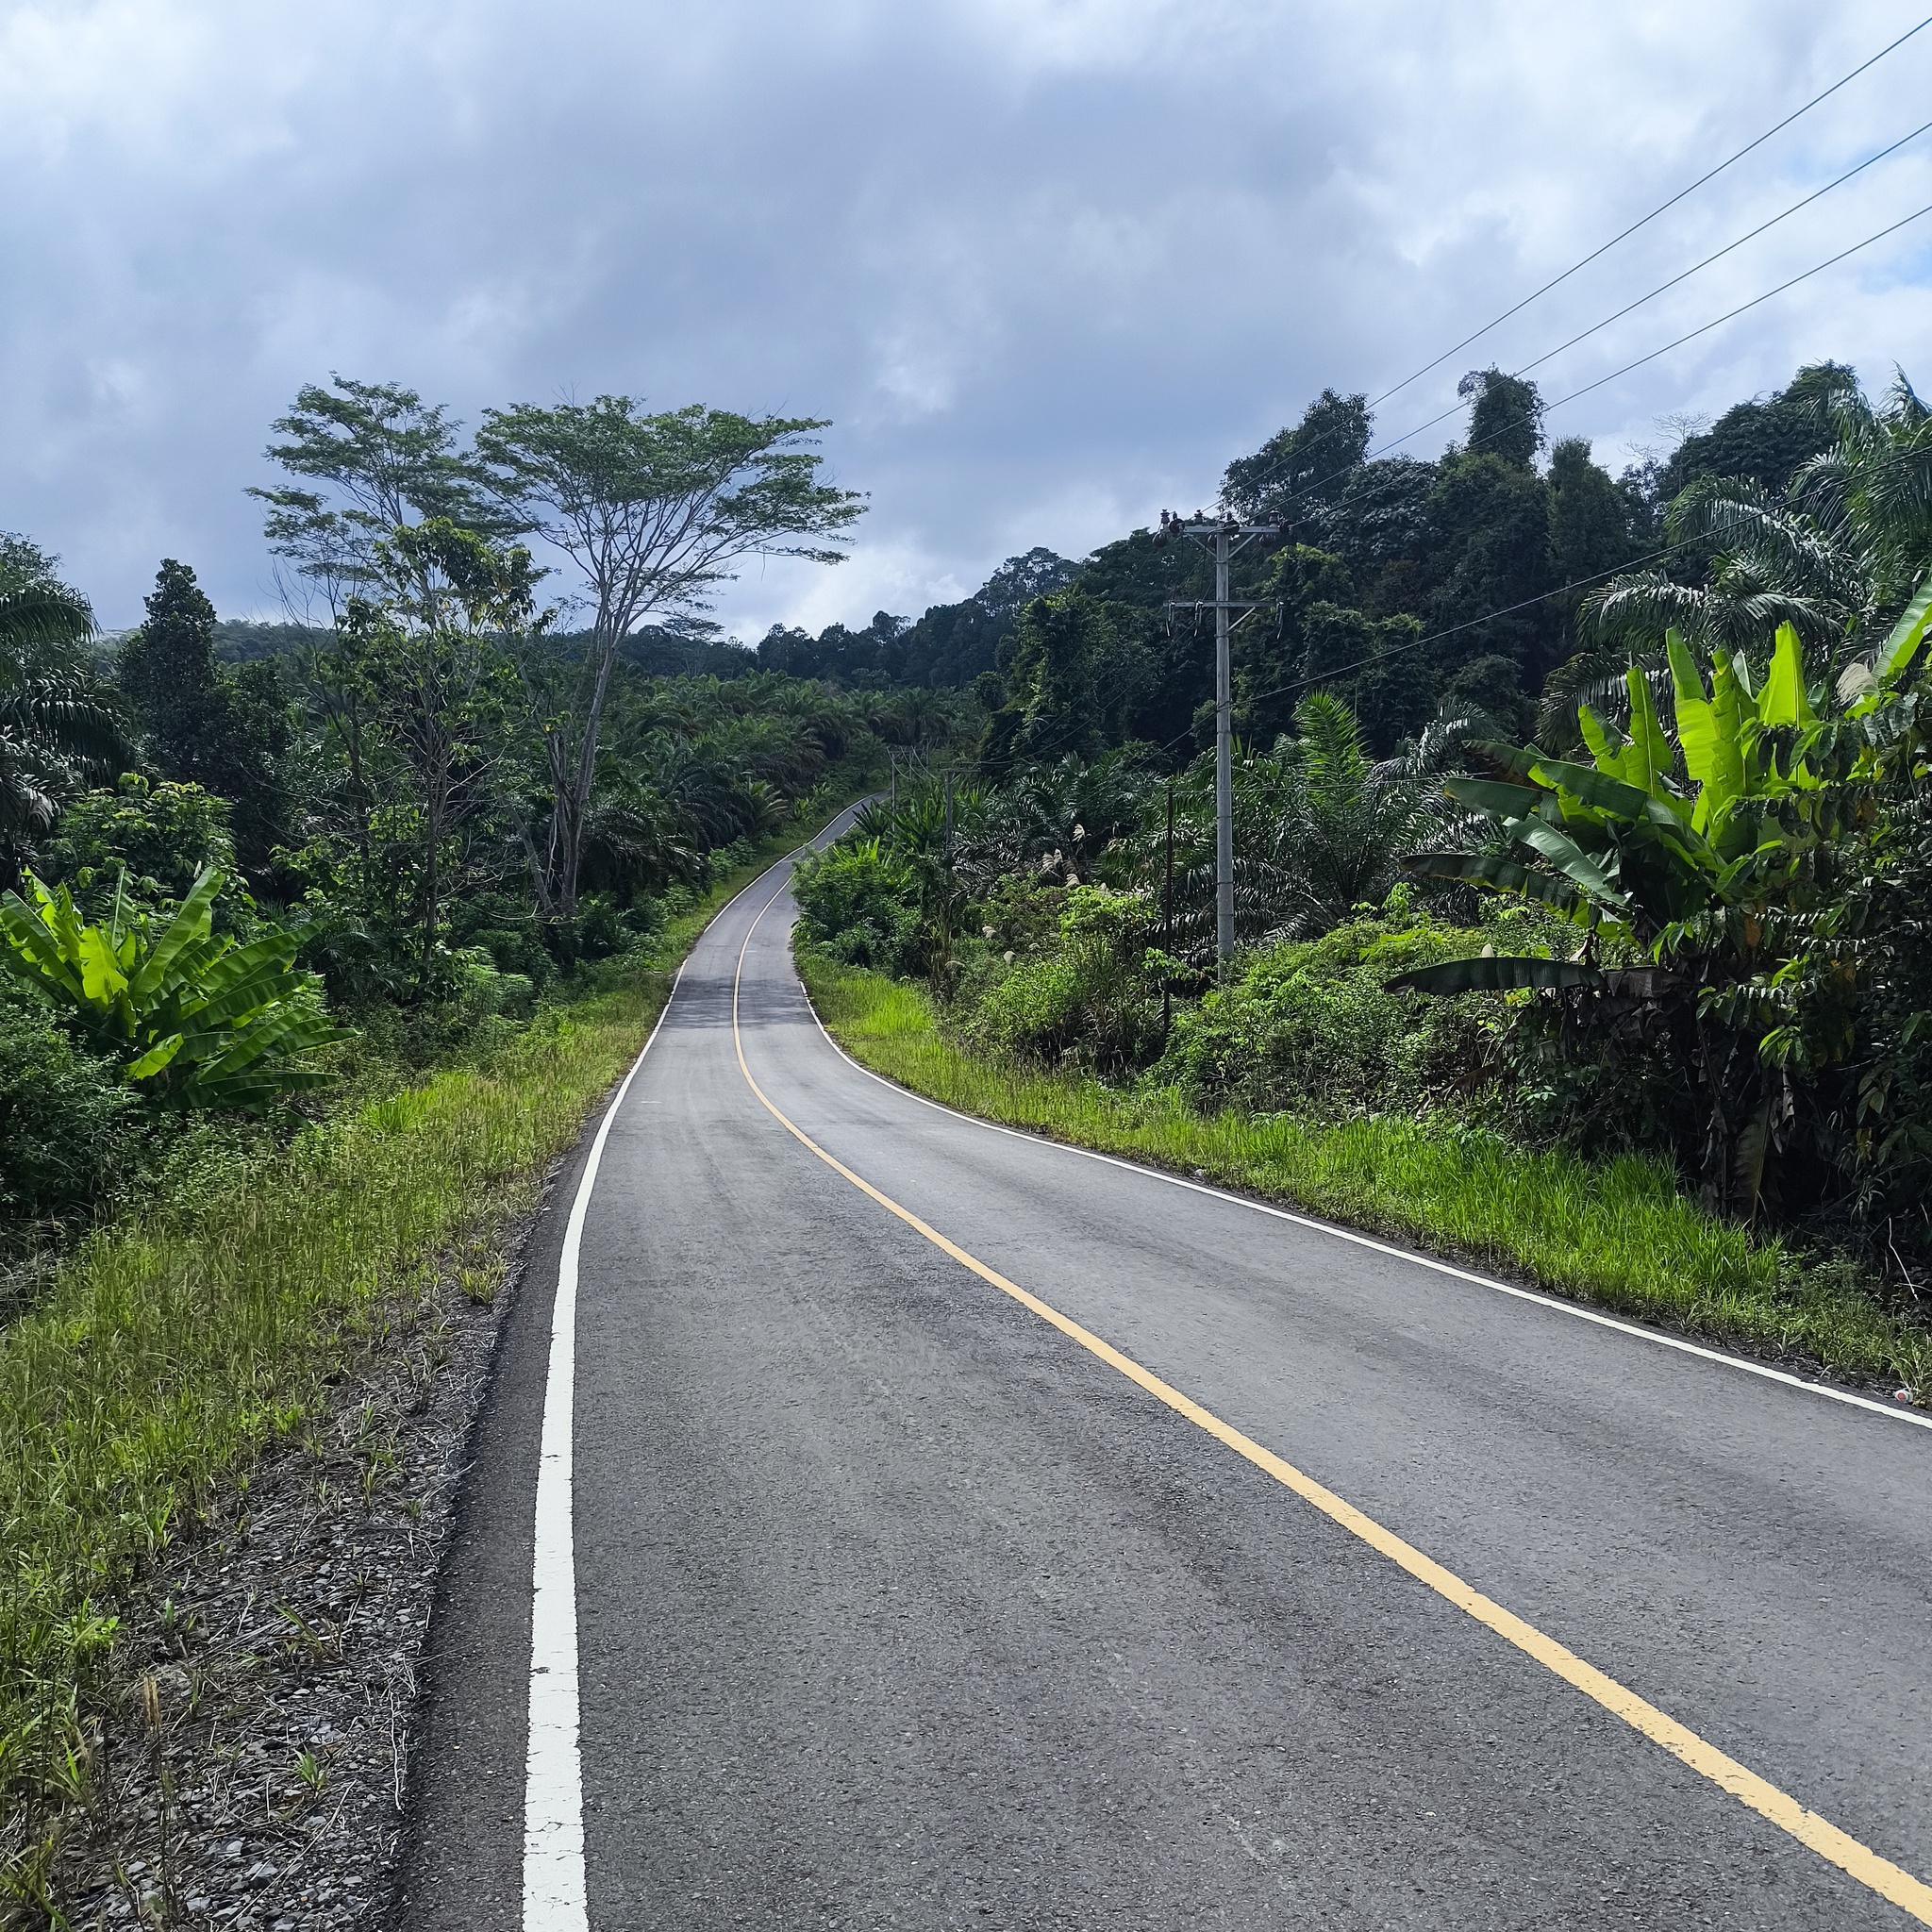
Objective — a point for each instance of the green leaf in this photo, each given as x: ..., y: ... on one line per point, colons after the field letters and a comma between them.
x: 1783, y: 700
x: 101, y: 977
x: 1606, y: 746
x: 1650, y: 759
x: 1496, y: 975
x: 190, y: 924
x: 1623, y: 801
x: 1574, y: 864
x: 1908, y: 634
x: 32, y: 954
x: 1502, y: 875
x: 1507, y: 802
x: 156, y: 1058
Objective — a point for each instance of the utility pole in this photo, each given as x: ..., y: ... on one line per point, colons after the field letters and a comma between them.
x: 1167, y: 917
x: 1224, y: 538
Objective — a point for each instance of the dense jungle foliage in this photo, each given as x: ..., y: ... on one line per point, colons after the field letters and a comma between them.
x: 1587, y: 811
x: 249, y: 871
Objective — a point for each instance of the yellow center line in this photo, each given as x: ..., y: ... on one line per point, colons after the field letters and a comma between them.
x: 1880, y: 1875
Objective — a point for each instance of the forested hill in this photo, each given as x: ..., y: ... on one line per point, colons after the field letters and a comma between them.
x: 1390, y: 580
x: 949, y: 648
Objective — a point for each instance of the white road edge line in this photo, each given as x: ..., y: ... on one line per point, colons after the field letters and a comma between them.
x: 554, y: 1885
x: 1919, y: 1419
x: 554, y: 1897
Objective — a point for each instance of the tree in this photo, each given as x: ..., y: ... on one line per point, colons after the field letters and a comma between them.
x: 1347, y: 822
x: 1836, y: 555
x: 389, y: 458
x: 56, y: 731
x: 1763, y: 441
x: 1508, y: 417
x: 202, y: 723
x: 1296, y: 471
x: 1492, y: 530
x: 654, y: 510
x: 1071, y: 682
x: 430, y: 661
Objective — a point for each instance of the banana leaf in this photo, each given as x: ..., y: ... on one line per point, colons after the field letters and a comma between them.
x: 1783, y: 700
x: 1507, y: 802
x: 1495, y: 974
x: 188, y: 924
x: 1574, y: 864
x: 1503, y: 875
x: 1908, y: 634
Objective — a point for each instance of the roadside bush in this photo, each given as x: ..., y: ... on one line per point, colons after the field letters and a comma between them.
x: 66, y: 1137
x: 156, y: 839
x: 1308, y: 1028
x: 859, y: 906
x: 1088, y: 996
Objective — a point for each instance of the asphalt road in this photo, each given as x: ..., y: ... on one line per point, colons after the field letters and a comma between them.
x: 898, y: 1607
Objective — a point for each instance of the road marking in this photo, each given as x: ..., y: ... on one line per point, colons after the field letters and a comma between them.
x: 553, y: 1769
x: 1892, y: 1411
x: 554, y: 1886
x: 1840, y: 1848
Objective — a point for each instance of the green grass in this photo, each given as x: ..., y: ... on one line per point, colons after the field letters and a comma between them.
x: 1616, y: 1233
x: 170, y: 1347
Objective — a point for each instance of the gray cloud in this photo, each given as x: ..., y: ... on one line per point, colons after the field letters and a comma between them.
x: 1046, y: 266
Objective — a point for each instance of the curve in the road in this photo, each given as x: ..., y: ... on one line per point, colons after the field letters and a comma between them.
x: 863, y: 1600
x: 1860, y: 1861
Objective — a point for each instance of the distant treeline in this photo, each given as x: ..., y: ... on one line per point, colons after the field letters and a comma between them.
x: 1402, y: 583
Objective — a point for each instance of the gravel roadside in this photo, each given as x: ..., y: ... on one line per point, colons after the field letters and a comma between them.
x: 252, y: 1769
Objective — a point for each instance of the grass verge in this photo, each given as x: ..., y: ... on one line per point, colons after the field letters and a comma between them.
x: 1616, y: 1233
x: 170, y: 1347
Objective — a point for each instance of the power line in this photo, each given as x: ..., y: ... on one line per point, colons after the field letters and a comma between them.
x: 1662, y: 208
x: 1396, y: 442
x: 1704, y: 329
x: 1728, y: 248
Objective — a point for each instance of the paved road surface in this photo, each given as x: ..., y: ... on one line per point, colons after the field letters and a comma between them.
x: 897, y: 1607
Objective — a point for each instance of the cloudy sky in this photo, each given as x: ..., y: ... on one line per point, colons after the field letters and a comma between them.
x: 1045, y: 264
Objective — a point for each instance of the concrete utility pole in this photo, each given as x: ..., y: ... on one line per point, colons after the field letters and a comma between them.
x: 1224, y: 538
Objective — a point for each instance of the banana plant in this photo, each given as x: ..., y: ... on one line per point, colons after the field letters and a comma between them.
x: 1621, y: 845
x: 197, y: 1020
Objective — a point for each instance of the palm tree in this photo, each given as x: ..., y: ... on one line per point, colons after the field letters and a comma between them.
x: 1320, y: 828
x: 1837, y: 557
x: 55, y: 730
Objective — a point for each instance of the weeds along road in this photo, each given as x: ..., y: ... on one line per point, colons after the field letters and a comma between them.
x: 898, y: 1605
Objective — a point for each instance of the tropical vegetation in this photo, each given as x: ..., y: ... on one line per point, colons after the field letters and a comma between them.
x: 1574, y: 816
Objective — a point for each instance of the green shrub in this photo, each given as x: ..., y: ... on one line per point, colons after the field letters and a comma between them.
x: 859, y: 905
x: 155, y: 841
x: 1087, y: 995
x: 65, y: 1133
x: 198, y: 1021
x: 1308, y: 1028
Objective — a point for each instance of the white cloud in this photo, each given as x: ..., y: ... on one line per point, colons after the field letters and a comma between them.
x: 1047, y: 264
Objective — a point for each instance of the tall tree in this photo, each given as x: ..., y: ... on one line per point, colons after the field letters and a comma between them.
x: 1837, y: 554
x: 203, y: 725
x: 1508, y: 417
x: 1298, y: 471
x: 430, y: 659
x: 654, y: 510
x: 387, y: 459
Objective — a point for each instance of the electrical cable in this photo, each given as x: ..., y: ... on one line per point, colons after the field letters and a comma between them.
x: 1662, y: 208
x: 1545, y: 409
